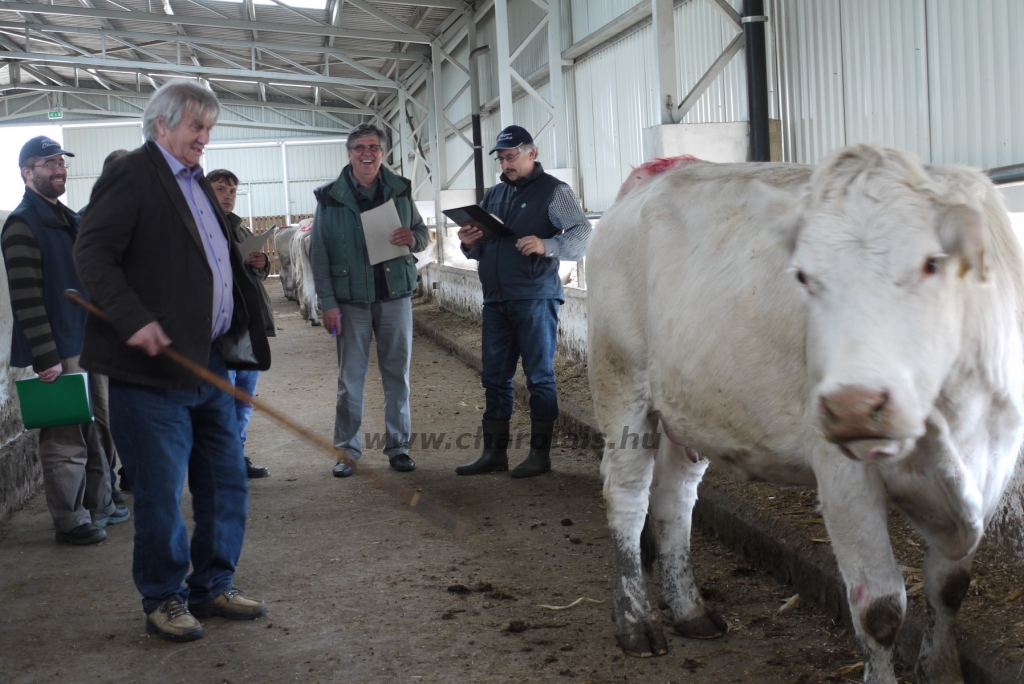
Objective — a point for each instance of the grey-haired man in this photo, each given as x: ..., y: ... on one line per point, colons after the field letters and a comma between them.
x: 155, y: 253
x: 361, y: 301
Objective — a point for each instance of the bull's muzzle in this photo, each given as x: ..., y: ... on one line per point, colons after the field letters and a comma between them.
x: 860, y: 421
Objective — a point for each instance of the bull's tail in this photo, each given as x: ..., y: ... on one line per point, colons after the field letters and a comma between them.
x: 648, y: 546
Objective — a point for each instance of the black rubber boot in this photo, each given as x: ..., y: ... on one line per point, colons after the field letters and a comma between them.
x: 538, y: 461
x: 494, y: 458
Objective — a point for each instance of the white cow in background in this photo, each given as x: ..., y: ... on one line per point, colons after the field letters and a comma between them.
x: 855, y: 327
x: 283, y: 247
x: 302, y: 273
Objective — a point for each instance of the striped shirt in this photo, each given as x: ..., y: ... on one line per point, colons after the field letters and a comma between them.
x: 25, y: 277
x: 565, y: 214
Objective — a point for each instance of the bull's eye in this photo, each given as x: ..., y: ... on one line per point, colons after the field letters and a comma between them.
x: 931, y: 266
x: 801, y: 277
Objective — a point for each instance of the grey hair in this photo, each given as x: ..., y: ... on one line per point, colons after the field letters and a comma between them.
x: 170, y: 102
x: 363, y: 130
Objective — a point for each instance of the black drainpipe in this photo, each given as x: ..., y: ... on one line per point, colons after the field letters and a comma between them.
x: 1004, y: 175
x: 757, y: 80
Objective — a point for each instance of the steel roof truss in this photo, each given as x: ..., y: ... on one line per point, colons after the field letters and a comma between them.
x: 186, y: 20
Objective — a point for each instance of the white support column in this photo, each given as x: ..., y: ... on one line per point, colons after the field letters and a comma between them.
x: 436, y: 113
x: 504, y: 63
x: 664, y: 59
x: 437, y: 109
x: 559, y: 127
x: 287, y: 199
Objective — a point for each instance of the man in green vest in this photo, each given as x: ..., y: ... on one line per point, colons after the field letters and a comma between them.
x: 360, y: 301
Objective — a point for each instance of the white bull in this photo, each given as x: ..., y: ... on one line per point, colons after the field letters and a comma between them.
x: 858, y: 329
x: 283, y: 248
x: 302, y: 274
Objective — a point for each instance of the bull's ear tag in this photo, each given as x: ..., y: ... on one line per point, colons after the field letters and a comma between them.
x: 523, y: 206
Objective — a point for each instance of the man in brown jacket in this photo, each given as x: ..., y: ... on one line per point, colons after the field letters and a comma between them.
x: 155, y: 255
x: 225, y: 187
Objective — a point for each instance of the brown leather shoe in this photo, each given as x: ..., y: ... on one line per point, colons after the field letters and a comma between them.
x: 231, y: 605
x: 172, y: 621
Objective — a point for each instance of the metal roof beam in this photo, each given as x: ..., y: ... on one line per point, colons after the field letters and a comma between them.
x: 236, y: 24
x: 414, y: 52
x: 34, y: 88
x: 159, y: 67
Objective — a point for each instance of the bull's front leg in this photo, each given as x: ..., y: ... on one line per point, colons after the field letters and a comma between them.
x: 945, y: 586
x: 673, y: 494
x: 627, y: 481
x: 854, y: 505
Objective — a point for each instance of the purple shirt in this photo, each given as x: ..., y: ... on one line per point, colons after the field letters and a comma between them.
x: 214, y: 241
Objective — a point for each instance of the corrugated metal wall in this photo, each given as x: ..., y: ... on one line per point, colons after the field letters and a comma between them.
x: 976, y: 81
x: 615, y: 101
x: 91, y: 145
x: 258, y: 166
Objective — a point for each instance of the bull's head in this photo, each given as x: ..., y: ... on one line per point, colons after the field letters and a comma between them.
x: 882, y: 253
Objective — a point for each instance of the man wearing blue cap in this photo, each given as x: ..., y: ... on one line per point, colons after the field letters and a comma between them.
x: 37, y: 242
x: 522, y: 294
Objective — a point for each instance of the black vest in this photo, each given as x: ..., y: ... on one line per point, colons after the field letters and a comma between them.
x: 56, y: 242
x: 505, y: 274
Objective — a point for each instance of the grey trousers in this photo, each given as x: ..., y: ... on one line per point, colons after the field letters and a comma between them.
x: 76, y: 469
x: 391, y: 324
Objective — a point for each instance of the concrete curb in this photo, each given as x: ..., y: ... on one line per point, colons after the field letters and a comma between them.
x: 770, y: 542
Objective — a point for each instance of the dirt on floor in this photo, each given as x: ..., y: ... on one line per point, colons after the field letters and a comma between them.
x: 361, y: 589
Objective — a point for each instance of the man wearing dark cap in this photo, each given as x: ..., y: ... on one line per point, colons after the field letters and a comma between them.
x: 37, y: 242
x: 522, y: 294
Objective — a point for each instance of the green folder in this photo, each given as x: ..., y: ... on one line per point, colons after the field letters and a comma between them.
x: 65, y: 401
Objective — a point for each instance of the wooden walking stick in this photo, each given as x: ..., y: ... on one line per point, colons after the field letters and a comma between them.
x: 404, y: 494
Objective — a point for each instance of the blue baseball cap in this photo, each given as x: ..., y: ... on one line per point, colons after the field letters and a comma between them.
x: 510, y: 137
x: 40, y: 146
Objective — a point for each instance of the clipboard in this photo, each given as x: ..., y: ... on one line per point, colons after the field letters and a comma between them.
x: 65, y: 401
x: 478, y: 217
x: 378, y: 225
x: 254, y: 243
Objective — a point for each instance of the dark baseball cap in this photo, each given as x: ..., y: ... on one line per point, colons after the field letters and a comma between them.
x: 512, y: 136
x: 41, y: 146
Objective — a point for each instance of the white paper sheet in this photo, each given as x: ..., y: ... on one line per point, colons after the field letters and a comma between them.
x: 254, y: 244
x: 378, y: 225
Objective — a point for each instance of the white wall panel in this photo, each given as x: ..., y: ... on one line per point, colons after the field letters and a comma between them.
x: 614, y: 103
x: 976, y: 81
x: 701, y: 36
x: 322, y: 162
x: 809, y: 57
x: 91, y: 145
x: 590, y: 15
x: 885, y: 67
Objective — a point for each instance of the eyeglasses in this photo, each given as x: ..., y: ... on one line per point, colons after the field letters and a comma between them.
x: 507, y: 160
x: 359, y: 149
x: 53, y: 165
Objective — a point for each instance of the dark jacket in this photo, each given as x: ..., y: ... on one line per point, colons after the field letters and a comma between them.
x: 140, y: 254
x: 240, y: 233
x: 505, y: 273
x: 55, y: 240
x: 341, y: 267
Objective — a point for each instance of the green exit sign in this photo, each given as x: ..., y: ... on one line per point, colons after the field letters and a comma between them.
x: 56, y: 115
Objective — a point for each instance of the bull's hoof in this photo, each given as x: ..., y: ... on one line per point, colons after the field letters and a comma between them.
x: 648, y: 640
x: 314, y: 323
x: 707, y: 626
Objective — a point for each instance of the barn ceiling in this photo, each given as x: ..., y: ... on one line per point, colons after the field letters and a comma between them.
x: 338, y: 58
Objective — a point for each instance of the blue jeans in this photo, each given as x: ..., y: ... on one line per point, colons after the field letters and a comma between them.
x: 244, y: 380
x: 162, y: 435
x: 526, y: 328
